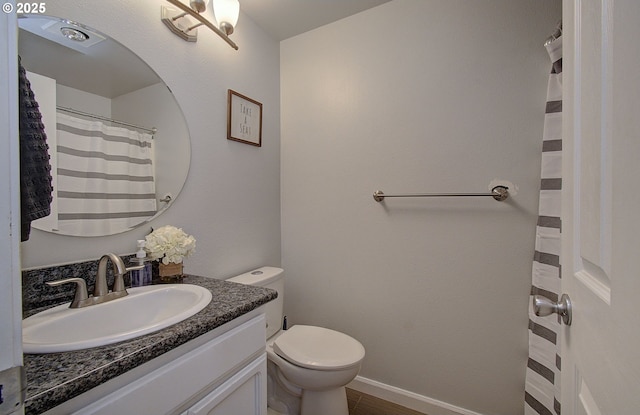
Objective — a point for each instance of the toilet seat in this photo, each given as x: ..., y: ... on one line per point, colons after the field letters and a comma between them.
x: 318, y: 348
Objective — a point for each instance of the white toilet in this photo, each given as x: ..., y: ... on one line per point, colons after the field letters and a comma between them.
x: 308, y: 366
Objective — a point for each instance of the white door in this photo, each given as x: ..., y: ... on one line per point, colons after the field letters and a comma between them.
x: 601, y: 207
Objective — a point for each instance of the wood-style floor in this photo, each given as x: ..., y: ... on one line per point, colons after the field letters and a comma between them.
x: 363, y: 404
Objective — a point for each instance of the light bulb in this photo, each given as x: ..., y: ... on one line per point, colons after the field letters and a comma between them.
x: 226, y: 13
x: 74, y: 34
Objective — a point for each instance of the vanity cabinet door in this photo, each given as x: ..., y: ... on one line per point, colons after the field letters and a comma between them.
x: 177, y: 385
x: 244, y: 393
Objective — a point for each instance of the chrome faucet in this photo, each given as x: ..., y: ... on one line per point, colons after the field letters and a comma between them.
x: 101, y: 293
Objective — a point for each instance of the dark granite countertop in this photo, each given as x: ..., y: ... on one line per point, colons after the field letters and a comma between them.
x: 57, y: 377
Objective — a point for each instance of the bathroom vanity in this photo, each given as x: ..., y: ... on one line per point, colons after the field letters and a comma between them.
x: 211, y: 363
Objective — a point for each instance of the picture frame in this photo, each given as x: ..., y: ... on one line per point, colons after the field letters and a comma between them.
x: 244, y: 119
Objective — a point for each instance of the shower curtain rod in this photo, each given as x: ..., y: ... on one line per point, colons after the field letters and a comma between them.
x: 499, y: 193
x: 151, y: 130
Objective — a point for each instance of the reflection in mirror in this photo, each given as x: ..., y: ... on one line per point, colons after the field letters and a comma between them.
x: 119, y: 143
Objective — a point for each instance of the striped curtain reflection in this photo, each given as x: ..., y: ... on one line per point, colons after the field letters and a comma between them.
x: 105, y: 177
x: 542, y: 387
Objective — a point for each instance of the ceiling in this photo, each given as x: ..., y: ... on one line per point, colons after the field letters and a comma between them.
x: 44, y: 51
x: 283, y: 19
x: 79, y: 64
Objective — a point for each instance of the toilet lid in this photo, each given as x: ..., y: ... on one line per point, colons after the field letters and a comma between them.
x: 318, y: 348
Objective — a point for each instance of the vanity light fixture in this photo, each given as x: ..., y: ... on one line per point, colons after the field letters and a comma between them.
x: 180, y: 23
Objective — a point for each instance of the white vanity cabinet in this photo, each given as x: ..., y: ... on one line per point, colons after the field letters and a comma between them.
x: 242, y: 394
x: 221, y: 372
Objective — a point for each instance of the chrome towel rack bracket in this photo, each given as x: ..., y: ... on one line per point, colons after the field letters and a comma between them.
x: 499, y: 193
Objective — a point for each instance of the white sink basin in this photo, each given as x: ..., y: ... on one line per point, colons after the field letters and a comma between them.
x: 145, y: 310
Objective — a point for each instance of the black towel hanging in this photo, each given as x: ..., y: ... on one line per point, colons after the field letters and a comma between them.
x: 35, y: 170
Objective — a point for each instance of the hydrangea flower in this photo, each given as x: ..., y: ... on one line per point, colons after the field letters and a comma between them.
x: 170, y: 244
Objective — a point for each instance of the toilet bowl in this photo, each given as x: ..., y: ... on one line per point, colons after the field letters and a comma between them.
x: 309, y: 366
x: 318, y: 361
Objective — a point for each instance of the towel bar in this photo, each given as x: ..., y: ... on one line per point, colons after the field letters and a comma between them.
x: 499, y: 193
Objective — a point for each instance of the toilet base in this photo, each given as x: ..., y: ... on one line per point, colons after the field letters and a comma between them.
x: 331, y: 401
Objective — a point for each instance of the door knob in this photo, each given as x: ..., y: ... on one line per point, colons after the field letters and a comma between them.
x: 543, y: 306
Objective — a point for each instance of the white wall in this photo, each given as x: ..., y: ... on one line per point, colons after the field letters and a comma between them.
x: 84, y: 101
x: 418, y: 96
x: 231, y: 201
x: 154, y: 106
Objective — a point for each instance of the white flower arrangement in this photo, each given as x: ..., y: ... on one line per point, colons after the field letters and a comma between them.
x: 169, y: 244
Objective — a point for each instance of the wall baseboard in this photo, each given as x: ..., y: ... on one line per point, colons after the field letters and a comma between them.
x: 407, y: 399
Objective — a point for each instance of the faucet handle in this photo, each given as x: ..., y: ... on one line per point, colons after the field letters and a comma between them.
x: 118, y: 282
x: 133, y: 268
x: 81, y: 290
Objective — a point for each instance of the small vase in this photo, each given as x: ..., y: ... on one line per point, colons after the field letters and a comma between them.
x: 170, y: 272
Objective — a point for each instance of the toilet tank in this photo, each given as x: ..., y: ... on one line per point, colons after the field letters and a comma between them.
x: 269, y: 277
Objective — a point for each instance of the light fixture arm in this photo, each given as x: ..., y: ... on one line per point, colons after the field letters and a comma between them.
x: 203, y: 21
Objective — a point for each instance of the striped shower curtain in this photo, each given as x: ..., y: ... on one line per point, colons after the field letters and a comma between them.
x: 105, y: 177
x: 542, y: 386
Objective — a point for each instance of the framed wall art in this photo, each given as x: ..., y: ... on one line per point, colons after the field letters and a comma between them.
x: 244, y: 119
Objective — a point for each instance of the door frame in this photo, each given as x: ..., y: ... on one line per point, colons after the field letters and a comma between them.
x: 10, y: 276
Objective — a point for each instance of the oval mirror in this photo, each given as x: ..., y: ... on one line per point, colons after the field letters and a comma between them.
x: 118, y: 141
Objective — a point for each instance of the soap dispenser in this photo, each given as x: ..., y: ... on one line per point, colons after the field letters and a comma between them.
x: 140, y: 277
